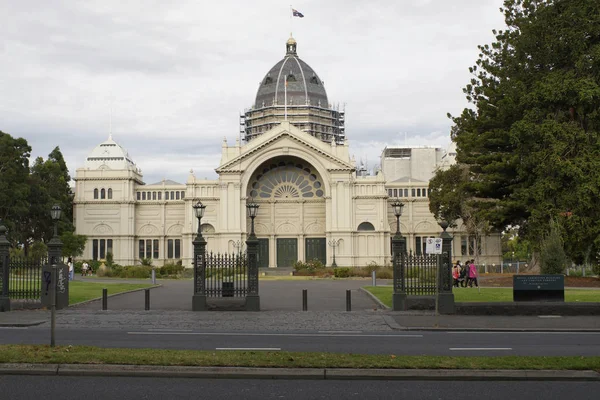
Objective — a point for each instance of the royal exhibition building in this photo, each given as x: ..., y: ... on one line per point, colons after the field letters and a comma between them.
x: 293, y: 160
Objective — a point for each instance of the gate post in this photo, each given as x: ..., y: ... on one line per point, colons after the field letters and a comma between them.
x: 444, y: 290
x: 61, y: 277
x: 4, y: 269
x: 398, y: 262
x: 252, y: 297
x: 199, y: 297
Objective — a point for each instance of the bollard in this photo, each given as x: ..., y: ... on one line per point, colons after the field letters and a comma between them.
x: 348, y: 300
x: 304, y: 300
x: 373, y: 278
x: 147, y: 306
x: 104, y: 299
x: 153, y: 276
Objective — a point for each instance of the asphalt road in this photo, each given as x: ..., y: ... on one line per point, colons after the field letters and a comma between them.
x: 66, y: 388
x: 399, y: 343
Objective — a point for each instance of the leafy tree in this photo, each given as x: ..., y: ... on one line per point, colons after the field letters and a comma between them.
x: 73, y: 245
x: 532, y: 136
x: 553, y: 259
x: 14, y: 190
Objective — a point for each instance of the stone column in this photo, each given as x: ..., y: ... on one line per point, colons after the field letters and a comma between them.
x: 199, y: 297
x: 4, y: 269
x: 398, y: 262
x: 445, y: 295
x: 252, y: 298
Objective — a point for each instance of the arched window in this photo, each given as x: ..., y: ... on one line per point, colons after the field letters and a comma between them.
x: 102, y: 194
x: 109, y: 193
x: 166, y: 195
x: 143, y: 197
x: 153, y: 195
x: 160, y: 195
x: 95, y: 194
x: 177, y: 195
x: 182, y: 195
x: 285, y: 178
x: 366, y: 226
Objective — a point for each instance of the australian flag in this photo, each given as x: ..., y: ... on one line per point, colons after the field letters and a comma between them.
x: 297, y: 13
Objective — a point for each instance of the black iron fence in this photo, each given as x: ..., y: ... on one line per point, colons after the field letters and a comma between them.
x: 25, y: 278
x: 226, y: 275
x: 421, y: 273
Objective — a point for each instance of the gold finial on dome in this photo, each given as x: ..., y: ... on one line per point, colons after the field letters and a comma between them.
x: 291, y: 45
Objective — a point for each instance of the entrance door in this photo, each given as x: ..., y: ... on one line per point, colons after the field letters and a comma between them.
x: 263, y: 253
x: 287, y: 252
x: 315, y: 248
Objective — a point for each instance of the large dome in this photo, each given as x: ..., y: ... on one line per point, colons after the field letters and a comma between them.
x: 109, y: 155
x: 304, y: 87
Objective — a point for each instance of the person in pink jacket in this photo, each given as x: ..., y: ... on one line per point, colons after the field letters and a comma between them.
x: 472, y: 274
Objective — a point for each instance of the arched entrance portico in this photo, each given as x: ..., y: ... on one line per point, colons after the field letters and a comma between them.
x: 291, y: 219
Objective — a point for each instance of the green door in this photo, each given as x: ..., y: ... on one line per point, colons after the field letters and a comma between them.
x: 287, y: 252
x: 315, y: 248
x: 263, y: 253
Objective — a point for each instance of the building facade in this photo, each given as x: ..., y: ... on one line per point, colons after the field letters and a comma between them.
x: 295, y: 163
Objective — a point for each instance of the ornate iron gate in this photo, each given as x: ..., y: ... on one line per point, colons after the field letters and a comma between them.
x: 226, y: 275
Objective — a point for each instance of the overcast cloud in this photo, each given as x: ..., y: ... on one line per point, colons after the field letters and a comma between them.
x: 180, y: 72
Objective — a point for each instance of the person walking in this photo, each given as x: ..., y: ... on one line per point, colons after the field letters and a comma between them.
x: 473, y: 274
x: 84, y: 268
x: 464, y: 274
x: 71, y: 269
x: 456, y: 274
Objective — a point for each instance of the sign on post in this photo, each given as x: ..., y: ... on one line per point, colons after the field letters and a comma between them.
x: 433, y: 246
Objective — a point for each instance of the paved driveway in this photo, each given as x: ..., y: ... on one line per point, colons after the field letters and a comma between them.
x: 323, y: 295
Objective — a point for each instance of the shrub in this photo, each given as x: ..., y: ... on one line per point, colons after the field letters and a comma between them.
x: 146, y: 262
x: 109, y: 259
x: 342, y: 272
x: 172, y: 270
x: 553, y: 259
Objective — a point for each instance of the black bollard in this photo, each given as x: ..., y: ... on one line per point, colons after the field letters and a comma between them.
x: 304, y: 300
x: 348, y: 300
x: 104, y: 299
x: 147, y: 307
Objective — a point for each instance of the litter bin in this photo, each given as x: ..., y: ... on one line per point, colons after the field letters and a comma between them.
x: 227, y: 289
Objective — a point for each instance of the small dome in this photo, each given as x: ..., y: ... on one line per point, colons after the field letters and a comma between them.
x: 304, y: 87
x: 109, y: 155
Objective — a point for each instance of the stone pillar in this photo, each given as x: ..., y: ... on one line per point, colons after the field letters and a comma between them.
x: 4, y: 269
x: 58, y: 287
x: 398, y: 262
x: 445, y: 295
x: 252, y: 297
x: 199, y: 297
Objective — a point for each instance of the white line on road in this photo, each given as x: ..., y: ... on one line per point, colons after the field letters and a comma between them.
x: 480, y: 348
x: 272, y: 334
x: 521, y: 333
x: 249, y: 348
x: 169, y: 330
x: 340, y: 331
x: 549, y: 316
x: 13, y: 327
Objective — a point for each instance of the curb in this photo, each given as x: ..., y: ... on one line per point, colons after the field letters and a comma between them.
x: 295, y: 373
x: 517, y: 330
x: 113, y: 295
x: 374, y: 298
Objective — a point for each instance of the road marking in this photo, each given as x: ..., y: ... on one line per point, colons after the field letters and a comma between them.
x: 340, y: 331
x: 169, y: 330
x: 522, y: 333
x: 480, y: 348
x: 271, y: 334
x: 249, y: 348
x: 13, y: 327
x: 549, y: 316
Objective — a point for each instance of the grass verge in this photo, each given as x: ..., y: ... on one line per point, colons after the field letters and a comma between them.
x: 95, y: 355
x: 82, y: 291
x: 384, y: 294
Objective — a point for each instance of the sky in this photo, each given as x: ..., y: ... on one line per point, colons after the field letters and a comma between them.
x: 170, y: 78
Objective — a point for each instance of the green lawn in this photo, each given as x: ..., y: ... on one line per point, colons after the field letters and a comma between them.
x: 81, y: 291
x: 272, y: 359
x: 384, y: 293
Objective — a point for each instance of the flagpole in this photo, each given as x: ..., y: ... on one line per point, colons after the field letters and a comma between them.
x: 285, y: 99
x: 291, y: 20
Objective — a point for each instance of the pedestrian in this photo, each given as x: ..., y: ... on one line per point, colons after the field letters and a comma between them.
x: 71, y: 269
x: 464, y: 274
x: 456, y: 274
x: 473, y: 274
x: 84, y: 268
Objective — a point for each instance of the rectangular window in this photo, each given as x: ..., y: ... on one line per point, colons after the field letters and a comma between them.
x: 160, y: 195
x: 412, y: 192
x: 102, y: 248
x: 418, y: 192
x: 177, y: 248
x: 143, y: 195
x: 153, y: 195
x: 177, y: 195
x: 95, y: 249
x: 463, y: 246
x: 170, y: 248
x: 182, y: 195
x: 172, y: 195
x: 139, y: 196
x: 155, y: 248
x: 148, y: 248
x: 390, y: 193
x: 399, y: 192
x: 395, y: 192
x: 109, y: 248
x: 141, y: 250
x: 405, y: 192
x: 418, y: 245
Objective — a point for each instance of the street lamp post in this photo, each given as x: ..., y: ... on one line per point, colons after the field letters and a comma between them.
x: 199, y: 297
x: 445, y: 297
x: 54, y: 248
x: 334, y: 243
x: 398, y: 253
x: 252, y: 297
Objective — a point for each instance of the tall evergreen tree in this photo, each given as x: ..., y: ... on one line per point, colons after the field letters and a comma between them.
x: 532, y: 136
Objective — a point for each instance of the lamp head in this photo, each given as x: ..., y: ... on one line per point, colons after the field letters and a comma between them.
x: 55, y: 212
x: 397, y: 207
x: 199, y: 209
x: 252, y: 208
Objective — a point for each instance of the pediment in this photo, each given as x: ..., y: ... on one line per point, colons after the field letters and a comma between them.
x: 285, y: 136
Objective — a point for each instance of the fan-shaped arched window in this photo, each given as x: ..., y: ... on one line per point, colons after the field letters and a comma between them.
x: 109, y: 193
x: 366, y: 226
x: 102, y: 193
x: 95, y: 193
x: 285, y: 179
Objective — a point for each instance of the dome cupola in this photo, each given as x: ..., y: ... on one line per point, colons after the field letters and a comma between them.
x: 109, y: 155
